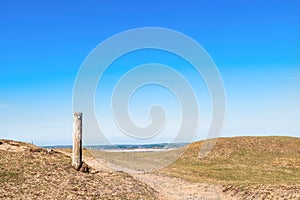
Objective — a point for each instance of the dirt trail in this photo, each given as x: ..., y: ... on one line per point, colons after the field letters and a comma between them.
x: 168, y: 187
x: 175, y: 188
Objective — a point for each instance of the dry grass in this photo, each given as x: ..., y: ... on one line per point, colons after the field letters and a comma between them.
x: 242, y: 161
x: 236, y: 161
x: 138, y: 161
x: 247, y: 167
x: 29, y: 172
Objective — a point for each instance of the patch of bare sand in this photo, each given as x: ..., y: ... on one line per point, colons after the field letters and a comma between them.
x: 177, y: 189
x: 12, y: 146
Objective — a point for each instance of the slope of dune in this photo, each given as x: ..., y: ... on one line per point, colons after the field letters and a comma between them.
x: 236, y: 168
x: 30, y: 172
x: 247, y: 167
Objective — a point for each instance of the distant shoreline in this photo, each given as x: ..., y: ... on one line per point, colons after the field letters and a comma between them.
x: 127, y: 147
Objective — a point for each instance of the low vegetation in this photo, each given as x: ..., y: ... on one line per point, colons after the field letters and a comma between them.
x: 30, y: 172
x: 247, y: 167
x: 242, y: 161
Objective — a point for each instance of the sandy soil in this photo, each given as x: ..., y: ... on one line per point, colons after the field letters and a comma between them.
x: 30, y: 172
x: 168, y: 188
x: 174, y: 188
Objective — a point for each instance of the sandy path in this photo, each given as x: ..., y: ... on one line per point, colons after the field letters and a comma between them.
x: 169, y: 188
x: 175, y: 188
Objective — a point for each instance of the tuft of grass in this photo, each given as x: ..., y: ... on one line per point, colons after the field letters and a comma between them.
x: 6, y: 176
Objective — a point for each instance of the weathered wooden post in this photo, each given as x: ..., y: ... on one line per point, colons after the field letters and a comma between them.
x: 77, y: 141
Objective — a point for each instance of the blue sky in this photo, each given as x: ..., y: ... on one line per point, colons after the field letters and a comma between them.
x: 255, y: 45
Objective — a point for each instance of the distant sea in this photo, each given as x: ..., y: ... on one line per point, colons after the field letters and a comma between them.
x: 127, y: 147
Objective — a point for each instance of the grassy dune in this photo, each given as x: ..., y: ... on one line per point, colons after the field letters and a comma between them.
x: 242, y: 161
x: 247, y: 167
x: 246, y: 161
x: 30, y: 172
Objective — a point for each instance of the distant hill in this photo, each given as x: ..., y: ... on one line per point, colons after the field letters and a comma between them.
x: 30, y: 172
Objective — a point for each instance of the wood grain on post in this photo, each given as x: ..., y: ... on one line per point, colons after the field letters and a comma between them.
x: 77, y: 141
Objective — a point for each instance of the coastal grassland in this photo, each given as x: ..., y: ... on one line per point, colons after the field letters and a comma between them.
x: 238, y: 161
x: 30, y: 172
x: 242, y: 161
x: 138, y: 161
x: 244, y: 167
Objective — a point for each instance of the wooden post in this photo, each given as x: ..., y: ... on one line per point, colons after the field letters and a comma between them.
x: 77, y: 141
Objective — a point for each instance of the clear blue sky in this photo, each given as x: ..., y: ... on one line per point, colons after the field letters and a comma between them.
x: 255, y: 44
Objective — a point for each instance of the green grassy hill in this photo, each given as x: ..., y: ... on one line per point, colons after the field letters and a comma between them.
x: 242, y: 161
